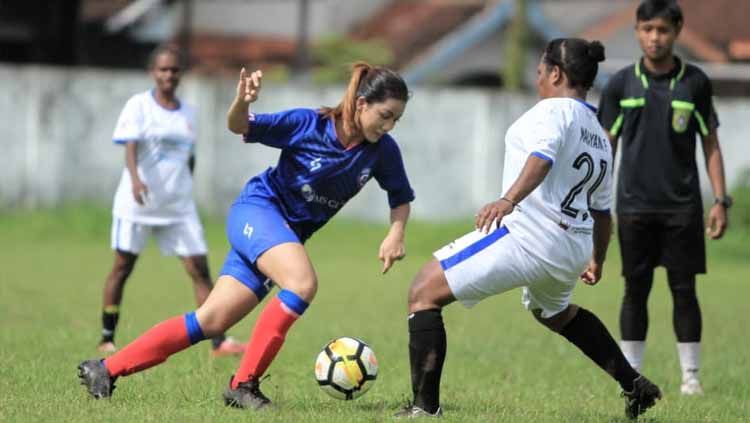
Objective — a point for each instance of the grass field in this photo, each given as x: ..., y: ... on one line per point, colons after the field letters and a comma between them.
x: 501, y: 366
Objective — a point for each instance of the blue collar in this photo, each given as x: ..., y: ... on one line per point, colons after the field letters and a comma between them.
x: 588, y: 106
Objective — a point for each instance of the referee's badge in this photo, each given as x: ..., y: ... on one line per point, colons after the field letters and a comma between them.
x: 680, y: 119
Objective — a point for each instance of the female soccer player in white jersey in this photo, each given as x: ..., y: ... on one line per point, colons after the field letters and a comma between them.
x: 538, y: 235
x: 327, y: 156
x: 155, y: 195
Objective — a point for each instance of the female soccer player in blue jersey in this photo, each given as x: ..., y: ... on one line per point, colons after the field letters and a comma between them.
x: 327, y: 156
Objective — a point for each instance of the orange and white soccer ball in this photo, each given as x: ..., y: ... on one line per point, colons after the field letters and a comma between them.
x: 346, y: 368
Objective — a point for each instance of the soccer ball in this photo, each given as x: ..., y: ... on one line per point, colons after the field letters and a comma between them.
x: 346, y: 368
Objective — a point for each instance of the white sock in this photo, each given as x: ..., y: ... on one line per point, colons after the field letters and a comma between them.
x: 690, y: 359
x: 633, y: 351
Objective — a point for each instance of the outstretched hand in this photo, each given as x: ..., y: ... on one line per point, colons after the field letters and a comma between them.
x: 248, y: 86
x: 391, y: 250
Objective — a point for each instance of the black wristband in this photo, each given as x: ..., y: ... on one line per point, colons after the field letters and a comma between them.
x: 513, y: 203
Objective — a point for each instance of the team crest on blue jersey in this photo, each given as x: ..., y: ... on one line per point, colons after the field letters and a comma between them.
x: 307, y: 193
x: 364, y: 176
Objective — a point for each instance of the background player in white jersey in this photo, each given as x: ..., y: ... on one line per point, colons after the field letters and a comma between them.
x: 155, y: 194
x: 538, y: 235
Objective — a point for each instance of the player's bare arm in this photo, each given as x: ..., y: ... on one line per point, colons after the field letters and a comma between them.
x: 140, y: 190
x: 248, y: 88
x: 392, y: 248
x: 533, y: 173
x: 601, y: 237
x: 717, y: 217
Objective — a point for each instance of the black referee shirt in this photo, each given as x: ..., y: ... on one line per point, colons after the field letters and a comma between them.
x: 656, y: 119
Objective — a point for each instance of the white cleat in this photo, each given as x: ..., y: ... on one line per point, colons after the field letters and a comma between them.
x: 691, y: 386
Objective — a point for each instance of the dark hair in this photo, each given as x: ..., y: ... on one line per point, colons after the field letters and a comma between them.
x: 577, y: 58
x: 165, y: 49
x: 667, y: 9
x: 375, y: 83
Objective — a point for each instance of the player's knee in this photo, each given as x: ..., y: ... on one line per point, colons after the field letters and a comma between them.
x: 557, y: 322
x: 636, y: 292
x: 428, y: 290
x: 682, y: 285
x: 213, y: 321
x: 419, y: 296
x: 304, y: 287
x: 122, y: 267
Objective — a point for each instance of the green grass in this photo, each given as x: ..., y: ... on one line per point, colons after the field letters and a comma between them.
x: 501, y: 366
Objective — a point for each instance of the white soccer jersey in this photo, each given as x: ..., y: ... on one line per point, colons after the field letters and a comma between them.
x: 554, y: 223
x: 166, y: 140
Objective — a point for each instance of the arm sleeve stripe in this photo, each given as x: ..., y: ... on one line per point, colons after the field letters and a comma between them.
x: 543, y: 157
x: 701, y: 123
x: 617, y: 125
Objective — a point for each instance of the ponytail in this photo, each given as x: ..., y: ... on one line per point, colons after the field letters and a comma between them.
x: 348, y: 104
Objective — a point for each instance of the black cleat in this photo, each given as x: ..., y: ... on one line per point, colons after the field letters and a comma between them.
x: 641, y: 398
x: 247, y: 395
x: 96, y: 378
x: 412, y: 411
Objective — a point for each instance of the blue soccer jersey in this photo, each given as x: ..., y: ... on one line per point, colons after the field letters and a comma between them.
x: 316, y: 175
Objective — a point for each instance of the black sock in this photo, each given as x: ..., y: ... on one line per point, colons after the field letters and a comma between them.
x: 217, y: 340
x: 110, y: 316
x: 427, y: 346
x: 589, y: 334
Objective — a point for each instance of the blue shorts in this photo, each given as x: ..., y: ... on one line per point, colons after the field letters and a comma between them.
x: 253, y: 227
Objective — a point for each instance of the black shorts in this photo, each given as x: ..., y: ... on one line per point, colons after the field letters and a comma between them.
x: 675, y: 241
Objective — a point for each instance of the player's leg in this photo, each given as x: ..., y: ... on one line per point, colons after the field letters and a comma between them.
x: 469, y: 269
x: 687, y: 321
x: 684, y: 258
x: 127, y: 240
x: 428, y: 294
x: 229, y: 301
x: 584, y: 330
x: 289, y: 266
x: 640, y: 249
x: 268, y: 250
x: 185, y: 239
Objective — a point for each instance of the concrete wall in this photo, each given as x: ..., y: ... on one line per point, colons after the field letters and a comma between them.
x: 56, y: 127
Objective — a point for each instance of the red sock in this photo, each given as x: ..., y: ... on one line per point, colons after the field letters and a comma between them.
x: 268, y: 337
x: 151, y: 348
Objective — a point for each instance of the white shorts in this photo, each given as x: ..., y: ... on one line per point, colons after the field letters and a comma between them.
x: 480, y: 265
x: 184, y: 238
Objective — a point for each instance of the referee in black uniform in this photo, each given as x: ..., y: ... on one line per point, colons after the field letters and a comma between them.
x: 656, y: 107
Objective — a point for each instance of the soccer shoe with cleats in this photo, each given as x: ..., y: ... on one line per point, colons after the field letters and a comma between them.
x: 246, y: 395
x: 642, y: 397
x: 95, y: 377
x: 412, y: 411
x: 106, y: 347
x: 228, y: 347
x: 691, y: 386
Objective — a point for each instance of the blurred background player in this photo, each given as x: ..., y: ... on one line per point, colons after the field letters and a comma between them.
x: 656, y: 107
x: 155, y: 194
x: 557, y: 184
x: 327, y: 156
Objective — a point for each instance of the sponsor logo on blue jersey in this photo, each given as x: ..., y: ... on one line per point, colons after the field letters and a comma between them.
x: 313, y: 197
